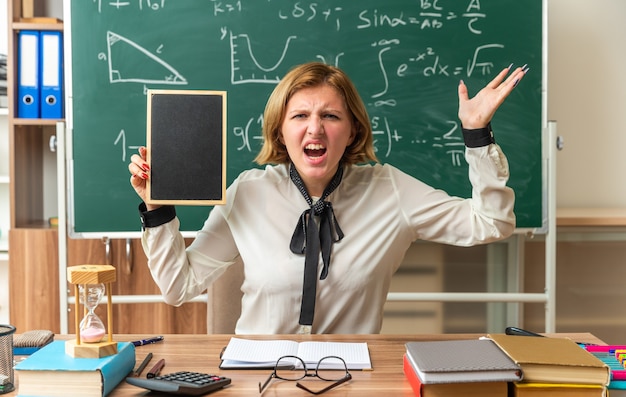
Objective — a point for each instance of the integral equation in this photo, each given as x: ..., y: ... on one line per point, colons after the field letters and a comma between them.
x: 401, y: 54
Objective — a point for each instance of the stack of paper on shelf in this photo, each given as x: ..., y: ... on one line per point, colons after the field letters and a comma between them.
x: 4, y: 102
x: 459, y: 367
x: 50, y: 372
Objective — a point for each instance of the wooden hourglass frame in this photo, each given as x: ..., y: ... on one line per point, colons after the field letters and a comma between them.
x: 86, y: 275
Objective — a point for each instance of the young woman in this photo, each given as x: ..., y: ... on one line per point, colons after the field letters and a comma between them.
x: 323, y: 227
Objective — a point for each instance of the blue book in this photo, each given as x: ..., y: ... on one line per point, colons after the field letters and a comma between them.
x: 50, y: 372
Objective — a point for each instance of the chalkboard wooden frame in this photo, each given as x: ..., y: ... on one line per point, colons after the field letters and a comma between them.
x: 186, y: 142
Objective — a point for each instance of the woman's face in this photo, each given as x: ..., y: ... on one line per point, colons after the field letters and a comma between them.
x: 316, y: 131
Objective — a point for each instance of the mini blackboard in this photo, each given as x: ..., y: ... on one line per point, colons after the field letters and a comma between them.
x: 186, y: 142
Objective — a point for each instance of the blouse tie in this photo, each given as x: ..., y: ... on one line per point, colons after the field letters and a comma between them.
x: 308, y: 239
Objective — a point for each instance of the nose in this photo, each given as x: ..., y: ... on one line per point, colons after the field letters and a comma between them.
x: 315, y: 126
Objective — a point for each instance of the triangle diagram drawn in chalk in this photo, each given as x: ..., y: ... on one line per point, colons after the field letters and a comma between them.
x: 130, y: 62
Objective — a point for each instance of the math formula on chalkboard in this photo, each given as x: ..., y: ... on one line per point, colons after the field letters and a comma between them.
x: 405, y: 57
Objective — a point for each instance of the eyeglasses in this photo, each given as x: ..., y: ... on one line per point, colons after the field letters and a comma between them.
x: 330, y: 368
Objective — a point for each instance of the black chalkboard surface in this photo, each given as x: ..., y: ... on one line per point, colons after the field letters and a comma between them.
x: 405, y: 57
x: 186, y: 144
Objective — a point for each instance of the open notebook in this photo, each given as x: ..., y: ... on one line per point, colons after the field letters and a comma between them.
x: 253, y: 354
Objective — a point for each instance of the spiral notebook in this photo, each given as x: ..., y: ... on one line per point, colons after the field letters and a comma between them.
x: 455, y: 361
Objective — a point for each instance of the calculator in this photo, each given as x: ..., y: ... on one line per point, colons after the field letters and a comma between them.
x: 182, y: 383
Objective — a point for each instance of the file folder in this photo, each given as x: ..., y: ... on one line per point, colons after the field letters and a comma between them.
x: 51, y: 71
x: 28, y: 104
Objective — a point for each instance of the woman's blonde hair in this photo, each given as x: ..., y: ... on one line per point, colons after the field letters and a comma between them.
x: 311, y: 75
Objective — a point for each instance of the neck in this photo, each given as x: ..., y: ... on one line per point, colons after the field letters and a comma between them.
x: 317, y: 186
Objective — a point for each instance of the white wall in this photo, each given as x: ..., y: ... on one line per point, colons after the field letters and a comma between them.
x: 4, y: 187
x: 587, y: 98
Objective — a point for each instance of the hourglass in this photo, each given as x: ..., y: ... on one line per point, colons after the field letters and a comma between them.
x: 90, y: 283
x: 91, y: 327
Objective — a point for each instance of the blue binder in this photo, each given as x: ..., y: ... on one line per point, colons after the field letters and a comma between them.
x: 51, y: 72
x: 28, y: 87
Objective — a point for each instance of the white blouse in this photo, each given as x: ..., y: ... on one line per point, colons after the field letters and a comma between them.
x: 381, y: 211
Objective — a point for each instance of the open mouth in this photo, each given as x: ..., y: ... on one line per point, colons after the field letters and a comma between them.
x: 314, y: 150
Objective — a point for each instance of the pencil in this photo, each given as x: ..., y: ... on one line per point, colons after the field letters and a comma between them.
x: 143, y: 364
x: 156, y: 369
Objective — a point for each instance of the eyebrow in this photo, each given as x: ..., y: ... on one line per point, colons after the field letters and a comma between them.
x: 325, y: 109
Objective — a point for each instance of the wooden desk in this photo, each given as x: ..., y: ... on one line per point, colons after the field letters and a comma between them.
x: 610, y: 217
x: 201, y: 353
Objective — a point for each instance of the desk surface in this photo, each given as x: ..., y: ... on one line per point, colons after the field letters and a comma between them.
x: 201, y: 353
x: 591, y: 217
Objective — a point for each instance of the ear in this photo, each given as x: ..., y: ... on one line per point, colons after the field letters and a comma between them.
x: 353, y: 132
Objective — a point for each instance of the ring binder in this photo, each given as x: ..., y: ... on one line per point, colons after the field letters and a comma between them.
x: 28, y: 103
x: 51, y: 75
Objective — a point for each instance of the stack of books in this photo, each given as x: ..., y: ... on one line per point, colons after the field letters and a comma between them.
x: 554, y: 367
x: 50, y: 372
x: 506, y: 366
x: 459, y: 368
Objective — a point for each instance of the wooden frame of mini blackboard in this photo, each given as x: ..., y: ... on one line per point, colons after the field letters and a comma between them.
x: 186, y: 147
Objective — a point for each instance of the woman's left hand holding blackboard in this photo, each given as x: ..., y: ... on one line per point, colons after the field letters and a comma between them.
x: 139, y: 174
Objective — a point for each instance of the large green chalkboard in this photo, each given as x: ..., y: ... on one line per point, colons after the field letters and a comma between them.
x: 406, y: 57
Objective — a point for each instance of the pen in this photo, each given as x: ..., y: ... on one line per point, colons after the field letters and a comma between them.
x: 523, y: 332
x: 147, y: 341
x: 143, y: 364
x: 156, y: 369
x: 519, y: 331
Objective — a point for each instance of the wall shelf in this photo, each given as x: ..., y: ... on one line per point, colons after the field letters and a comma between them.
x: 38, y: 26
x: 37, y: 122
x: 591, y: 217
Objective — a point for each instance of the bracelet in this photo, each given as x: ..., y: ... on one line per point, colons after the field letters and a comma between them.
x: 156, y: 217
x: 478, y: 137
